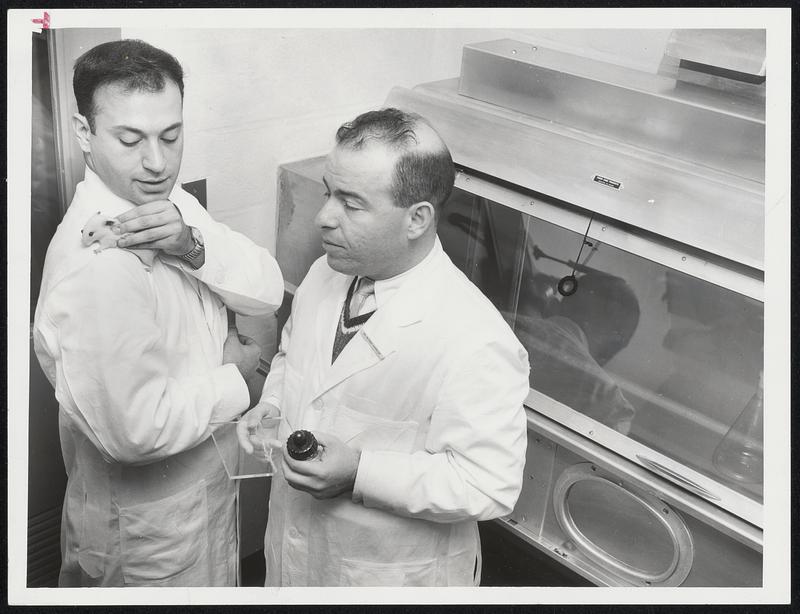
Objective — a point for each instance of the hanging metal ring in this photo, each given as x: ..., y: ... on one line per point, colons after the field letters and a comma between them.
x: 568, y: 285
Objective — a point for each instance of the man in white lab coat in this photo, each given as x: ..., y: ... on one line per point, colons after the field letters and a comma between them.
x: 409, y: 378
x: 137, y: 344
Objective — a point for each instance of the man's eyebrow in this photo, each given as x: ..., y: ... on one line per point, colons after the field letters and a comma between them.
x: 172, y: 127
x: 137, y: 131
x: 344, y: 193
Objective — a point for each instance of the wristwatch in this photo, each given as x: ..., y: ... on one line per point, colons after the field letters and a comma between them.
x: 195, y: 256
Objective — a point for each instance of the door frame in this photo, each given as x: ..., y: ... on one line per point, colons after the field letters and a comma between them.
x: 64, y: 47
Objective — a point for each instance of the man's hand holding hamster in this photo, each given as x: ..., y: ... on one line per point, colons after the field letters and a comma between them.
x: 155, y: 225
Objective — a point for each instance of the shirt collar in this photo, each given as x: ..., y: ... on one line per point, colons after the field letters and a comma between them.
x: 385, y: 288
x: 94, y: 192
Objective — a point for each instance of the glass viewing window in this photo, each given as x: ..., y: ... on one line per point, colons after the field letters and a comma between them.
x: 667, y: 359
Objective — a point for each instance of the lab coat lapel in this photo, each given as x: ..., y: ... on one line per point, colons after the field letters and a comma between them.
x: 357, y: 355
x: 380, y: 336
x: 329, y: 303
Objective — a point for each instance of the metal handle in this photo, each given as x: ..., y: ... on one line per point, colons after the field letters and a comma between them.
x: 676, y: 477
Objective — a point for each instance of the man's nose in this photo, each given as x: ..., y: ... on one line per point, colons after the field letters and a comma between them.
x: 326, y: 218
x: 154, y: 159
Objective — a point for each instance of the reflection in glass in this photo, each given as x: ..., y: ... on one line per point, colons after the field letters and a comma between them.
x: 658, y: 355
x: 569, y: 340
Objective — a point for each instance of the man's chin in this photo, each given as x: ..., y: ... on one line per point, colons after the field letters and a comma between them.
x: 143, y: 196
x: 340, y: 266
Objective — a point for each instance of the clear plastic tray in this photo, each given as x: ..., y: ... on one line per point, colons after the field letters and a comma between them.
x: 238, y: 463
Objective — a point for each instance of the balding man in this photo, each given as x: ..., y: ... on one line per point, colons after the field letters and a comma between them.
x: 410, y: 379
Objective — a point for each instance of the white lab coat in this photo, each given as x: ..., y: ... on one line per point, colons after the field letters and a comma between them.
x: 431, y: 391
x: 135, y: 356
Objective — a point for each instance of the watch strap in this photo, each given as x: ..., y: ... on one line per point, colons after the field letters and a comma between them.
x: 193, y: 256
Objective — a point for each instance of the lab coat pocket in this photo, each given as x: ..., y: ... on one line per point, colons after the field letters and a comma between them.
x: 370, y: 573
x: 165, y: 541
x: 365, y: 431
x: 92, y: 544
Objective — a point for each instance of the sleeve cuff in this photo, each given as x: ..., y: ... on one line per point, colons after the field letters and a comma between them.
x: 370, y: 488
x: 232, y: 395
x: 273, y: 386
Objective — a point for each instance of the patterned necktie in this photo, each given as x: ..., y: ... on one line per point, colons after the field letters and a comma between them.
x: 351, y: 320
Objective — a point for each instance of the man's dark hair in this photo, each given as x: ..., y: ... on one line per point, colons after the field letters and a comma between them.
x: 421, y: 173
x: 133, y: 64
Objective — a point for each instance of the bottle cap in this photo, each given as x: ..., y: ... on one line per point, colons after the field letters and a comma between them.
x: 301, y: 445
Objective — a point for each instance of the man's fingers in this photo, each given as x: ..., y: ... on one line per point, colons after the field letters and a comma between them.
x: 242, y: 434
x: 147, y: 221
x: 296, y: 479
x: 305, y: 468
x: 151, y: 235
x: 274, y: 443
x: 158, y: 206
x: 247, y: 425
x: 144, y: 209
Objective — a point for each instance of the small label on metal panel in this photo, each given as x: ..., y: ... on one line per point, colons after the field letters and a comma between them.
x: 609, y: 182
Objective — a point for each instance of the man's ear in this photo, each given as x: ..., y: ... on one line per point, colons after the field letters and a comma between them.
x: 421, y: 217
x: 83, y: 132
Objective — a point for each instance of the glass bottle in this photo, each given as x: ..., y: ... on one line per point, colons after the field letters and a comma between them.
x: 302, y: 445
x: 740, y: 454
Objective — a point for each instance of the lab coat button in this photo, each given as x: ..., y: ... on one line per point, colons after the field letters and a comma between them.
x: 219, y: 278
x: 318, y: 404
x: 293, y: 533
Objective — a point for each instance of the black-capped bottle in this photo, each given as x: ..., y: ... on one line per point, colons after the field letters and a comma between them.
x: 302, y: 445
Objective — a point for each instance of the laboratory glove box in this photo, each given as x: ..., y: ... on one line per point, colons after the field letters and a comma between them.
x: 630, y: 267
x: 617, y: 524
x: 625, y: 481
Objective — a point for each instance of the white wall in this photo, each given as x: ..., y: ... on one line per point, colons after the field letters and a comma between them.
x: 255, y: 99
x: 258, y: 98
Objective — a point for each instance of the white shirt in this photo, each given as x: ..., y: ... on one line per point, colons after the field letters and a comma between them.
x: 135, y: 353
x: 386, y: 288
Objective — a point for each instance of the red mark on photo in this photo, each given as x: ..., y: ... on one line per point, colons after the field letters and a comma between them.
x: 44, y: 21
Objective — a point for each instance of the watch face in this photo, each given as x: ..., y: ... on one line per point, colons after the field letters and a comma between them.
x: 198, y: 238
x: 197, y: 250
